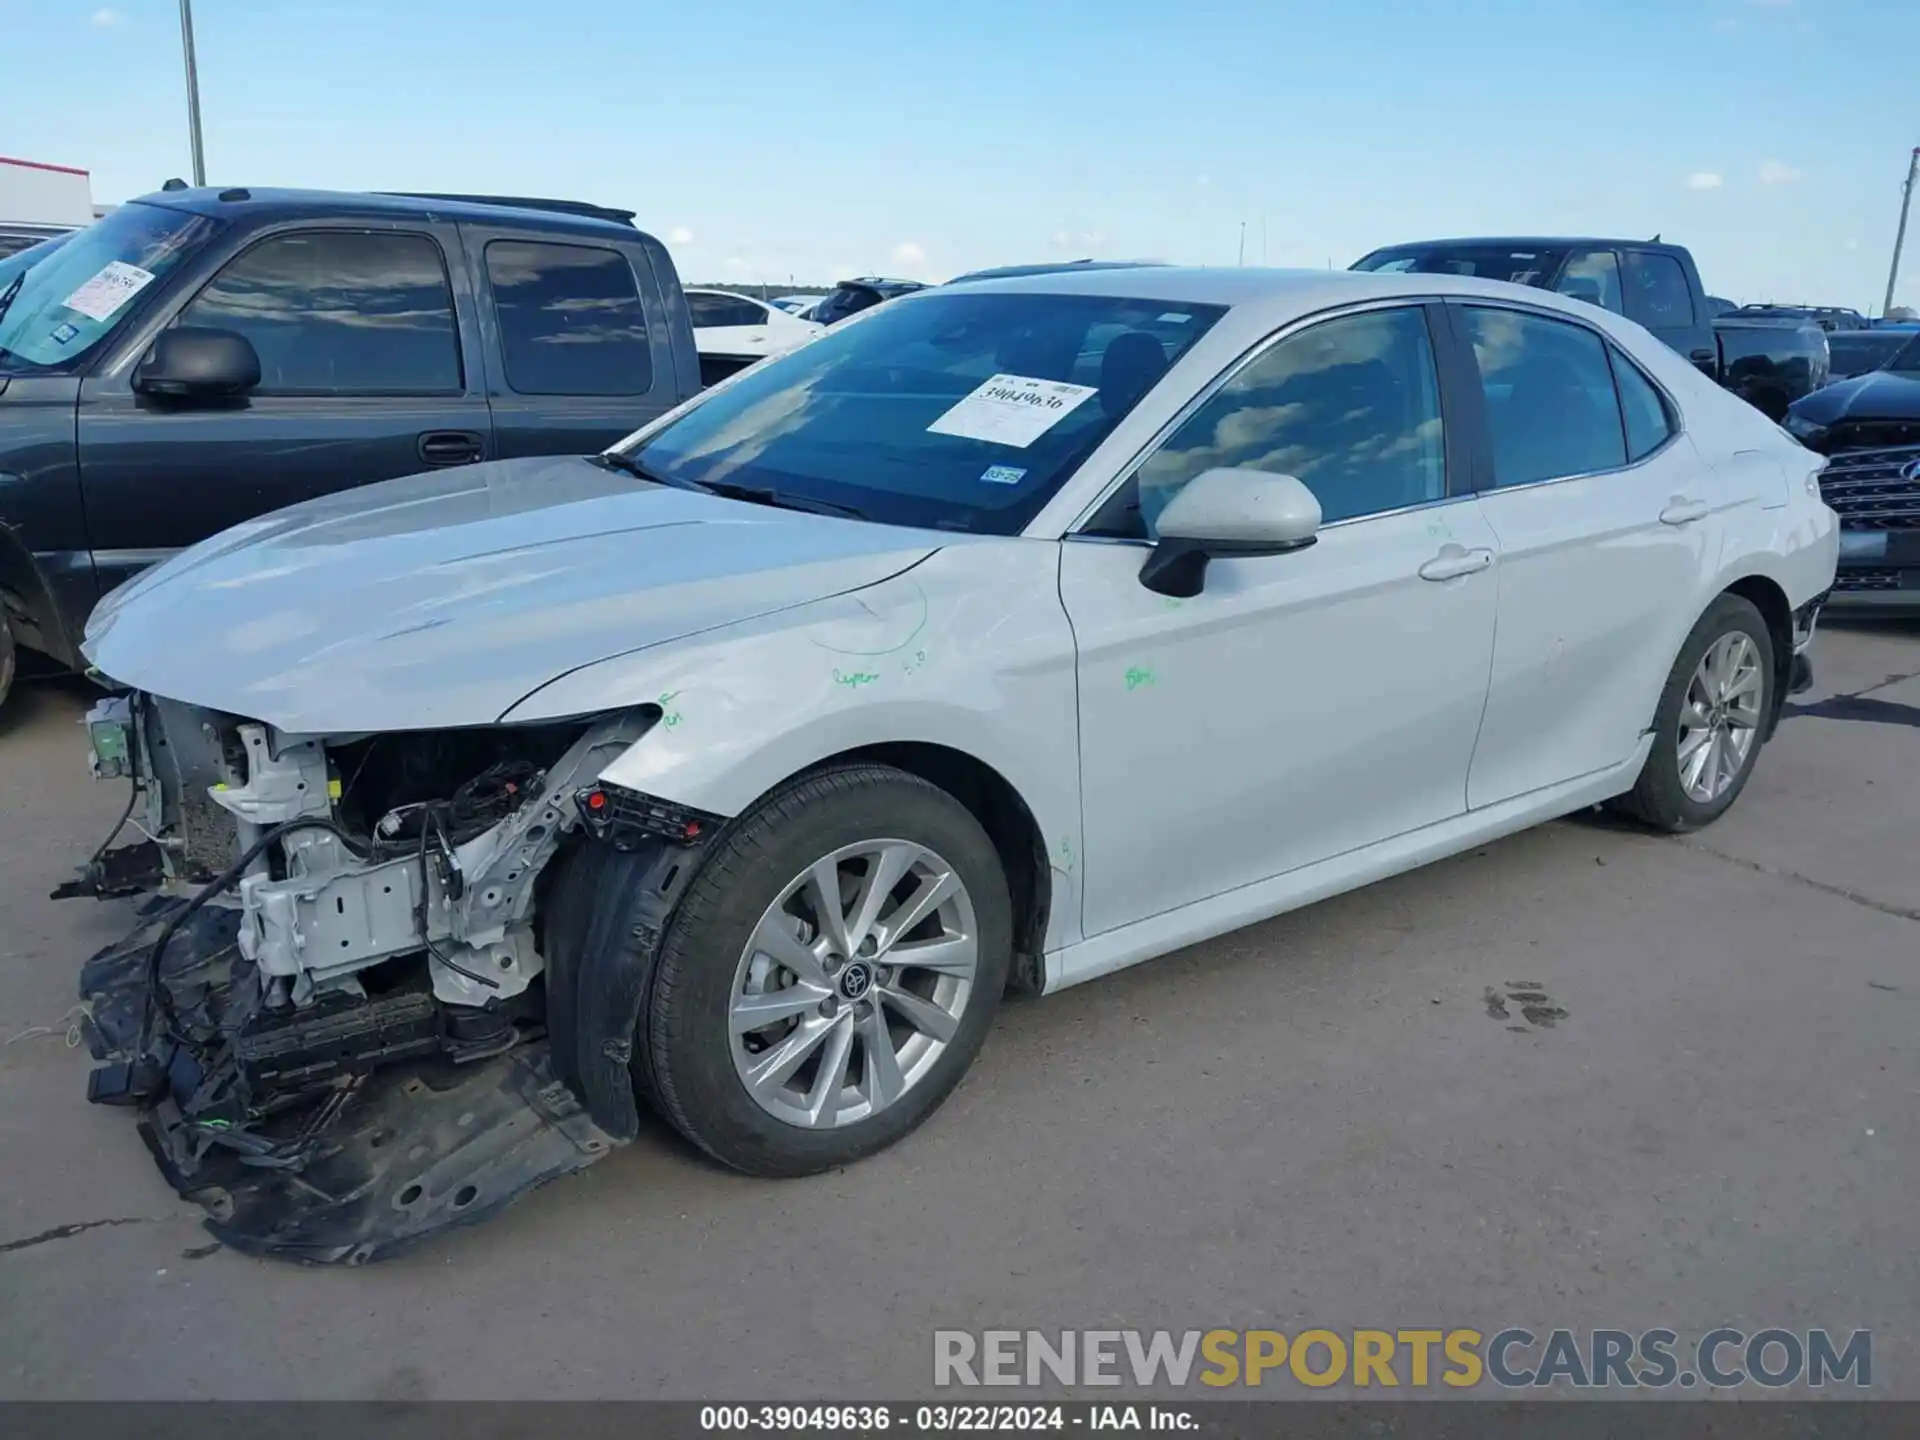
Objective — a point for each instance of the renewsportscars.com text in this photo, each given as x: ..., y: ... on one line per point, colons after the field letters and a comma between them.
x: 1511, y: 1358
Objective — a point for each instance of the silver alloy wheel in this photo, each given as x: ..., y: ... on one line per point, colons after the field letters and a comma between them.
x: 853, y: 983
x: 1720, y: 718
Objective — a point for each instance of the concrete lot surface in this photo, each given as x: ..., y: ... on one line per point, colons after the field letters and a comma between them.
x: 1322, y: 1120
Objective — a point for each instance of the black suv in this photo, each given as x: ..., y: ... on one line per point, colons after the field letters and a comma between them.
x: 850, y: 297
x: 199, y: 357
x: 1869, y: 428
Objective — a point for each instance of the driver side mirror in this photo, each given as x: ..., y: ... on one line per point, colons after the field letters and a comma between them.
x: 197, y: 363
x: 1227, y: 512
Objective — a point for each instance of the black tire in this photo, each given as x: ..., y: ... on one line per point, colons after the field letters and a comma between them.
x: 9, y: 659
x: 685, y: 1041
x: 1658, y: 799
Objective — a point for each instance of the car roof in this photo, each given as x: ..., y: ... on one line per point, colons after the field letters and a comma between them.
x: 1048, y: 267
x: 1528, y: 242
x: 1295, y: 290
x: 266, y: 203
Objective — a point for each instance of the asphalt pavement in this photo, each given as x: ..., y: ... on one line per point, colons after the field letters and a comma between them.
x: 1582, y: 1077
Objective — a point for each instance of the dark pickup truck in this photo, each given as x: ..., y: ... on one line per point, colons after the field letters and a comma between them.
x: 1768, y: 362
x: 200, y: 357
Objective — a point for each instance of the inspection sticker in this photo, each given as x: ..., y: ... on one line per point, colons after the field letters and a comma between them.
x: 1012, y: 410
x: 114, y: 285
x: 1003, y: 474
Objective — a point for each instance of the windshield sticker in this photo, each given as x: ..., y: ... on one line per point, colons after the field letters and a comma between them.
x: 1003, y: 474
x: 116, y: 283
x: 1174, y: 317
x: 1012, y: 410
x: 63, y: 334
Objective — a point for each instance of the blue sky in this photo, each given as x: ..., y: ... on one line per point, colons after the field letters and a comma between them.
x: 814, y: 138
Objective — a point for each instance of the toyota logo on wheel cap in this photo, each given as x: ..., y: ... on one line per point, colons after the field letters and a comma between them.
x: 1910, y: 470
x: 856, y: 980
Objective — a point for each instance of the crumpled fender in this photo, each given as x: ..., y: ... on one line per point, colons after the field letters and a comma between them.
x: 970, y: 650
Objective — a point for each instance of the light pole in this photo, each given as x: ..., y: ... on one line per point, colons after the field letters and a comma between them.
x: 1900, y: 235
x: 193, y: 93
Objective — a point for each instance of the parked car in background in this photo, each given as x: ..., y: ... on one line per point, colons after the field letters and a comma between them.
x: 15, y: 238
x: 18, y: 262
x: 797, y: 304
x: 1827, y: 317
x: 850, y: 297
x: 199, y: 357
x: 820, y: 713
x: 732, y: 331
x: 1768, y: 362
x: 1857, y: 352
x: 1868, y: 427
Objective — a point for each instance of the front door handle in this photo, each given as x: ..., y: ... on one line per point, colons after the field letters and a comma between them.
x: 1452, y: 562
x: 1682, y: 511
x: 449, y: 447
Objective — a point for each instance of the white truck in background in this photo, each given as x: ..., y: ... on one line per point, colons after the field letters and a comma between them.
x: 38, y: 200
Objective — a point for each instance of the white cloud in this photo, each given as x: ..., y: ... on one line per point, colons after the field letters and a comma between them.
x: 909, y: 255
x: 1704, y: 180
x: 1853, y: 244
x: 680, y: 235
x: 1076, y: 239
x: 1774, y: 172
x: 102, y: 19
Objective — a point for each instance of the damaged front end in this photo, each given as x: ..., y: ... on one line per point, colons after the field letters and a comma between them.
x: 334, y: 1014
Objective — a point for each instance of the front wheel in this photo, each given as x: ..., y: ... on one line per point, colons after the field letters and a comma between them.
x: 831, y: 973
x: 1709, y: 723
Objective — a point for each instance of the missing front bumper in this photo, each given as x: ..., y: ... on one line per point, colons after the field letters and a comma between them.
x: 356, y: 1169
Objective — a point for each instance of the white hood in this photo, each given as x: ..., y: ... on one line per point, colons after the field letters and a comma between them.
x: 442, y: 599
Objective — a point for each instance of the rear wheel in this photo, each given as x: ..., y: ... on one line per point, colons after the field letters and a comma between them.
x: 1708, y: 726
x: 831, y: 973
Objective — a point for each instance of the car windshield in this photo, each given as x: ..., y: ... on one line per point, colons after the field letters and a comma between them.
x: 1518, y: 265
x: 1855, y: 352
x: 956, y: 410
x: 79, y: 292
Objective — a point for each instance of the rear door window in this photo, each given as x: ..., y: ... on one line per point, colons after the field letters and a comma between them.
x: 1593, y: 276
x: 1657, y: 292
x: 1551, y: 407
x: 571, y: 322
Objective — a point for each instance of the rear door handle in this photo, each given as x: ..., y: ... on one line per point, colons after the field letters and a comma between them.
x: 449, y: 447
x: 1452, y: 562
x: 1681, y: 511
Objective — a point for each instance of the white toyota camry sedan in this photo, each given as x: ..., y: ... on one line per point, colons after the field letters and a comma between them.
x: 1007, y: 635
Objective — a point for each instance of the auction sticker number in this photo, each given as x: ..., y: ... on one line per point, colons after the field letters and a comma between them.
x: 1012, y: 410
x: 112, y: 286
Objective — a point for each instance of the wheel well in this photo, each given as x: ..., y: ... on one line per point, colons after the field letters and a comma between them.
x: 1771, y: 601
x: 1008, y: 823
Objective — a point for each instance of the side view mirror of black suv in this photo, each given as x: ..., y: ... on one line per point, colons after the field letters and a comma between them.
x: 193, y: 363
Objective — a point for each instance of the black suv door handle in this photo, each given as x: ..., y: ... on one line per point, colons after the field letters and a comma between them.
x: 449, y: 447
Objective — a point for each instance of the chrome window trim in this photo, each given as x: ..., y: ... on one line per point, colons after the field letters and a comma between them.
x: 1125, y: 472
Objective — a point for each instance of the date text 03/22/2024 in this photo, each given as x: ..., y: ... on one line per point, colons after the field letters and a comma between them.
x: 941, y: 1419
